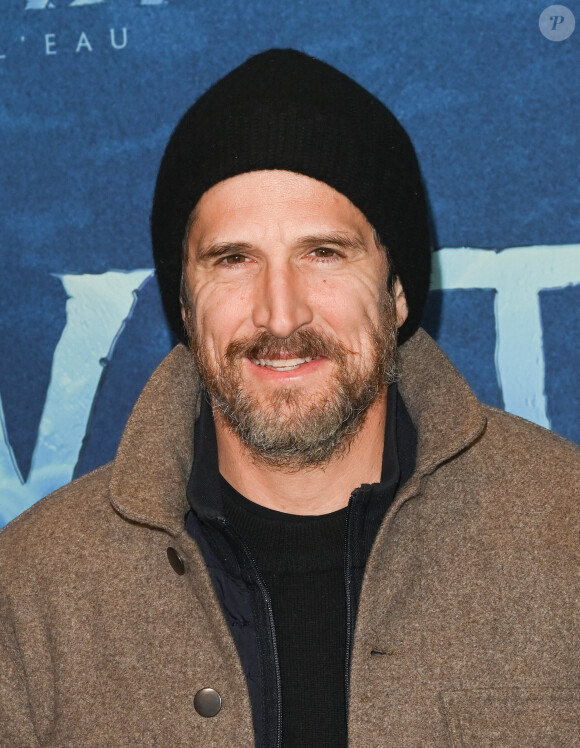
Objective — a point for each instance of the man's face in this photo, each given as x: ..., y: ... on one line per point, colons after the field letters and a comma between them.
x: 288, y: 314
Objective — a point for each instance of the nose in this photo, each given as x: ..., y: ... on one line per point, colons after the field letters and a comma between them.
x: 281, y: 304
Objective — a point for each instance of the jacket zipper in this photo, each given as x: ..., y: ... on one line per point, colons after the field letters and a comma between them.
x: 270, y: 615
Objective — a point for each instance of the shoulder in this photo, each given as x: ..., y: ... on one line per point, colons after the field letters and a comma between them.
x: 510, y: 501
x: 521, y: 446
x: 523, y: 475
x: 63, y: 506
x: 50, y: 526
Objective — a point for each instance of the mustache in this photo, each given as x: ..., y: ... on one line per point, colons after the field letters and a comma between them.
x: 300, y: 344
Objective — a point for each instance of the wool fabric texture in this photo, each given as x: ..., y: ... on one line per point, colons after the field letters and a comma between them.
x: 282, y: 109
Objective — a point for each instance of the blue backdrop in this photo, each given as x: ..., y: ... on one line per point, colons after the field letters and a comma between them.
x: 89, y: 94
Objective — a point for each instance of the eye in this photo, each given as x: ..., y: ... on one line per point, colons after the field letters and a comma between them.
x: 235, y: 259
x: 324, y: 253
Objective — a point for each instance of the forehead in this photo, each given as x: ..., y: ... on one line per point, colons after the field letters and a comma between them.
x: 256, y: 203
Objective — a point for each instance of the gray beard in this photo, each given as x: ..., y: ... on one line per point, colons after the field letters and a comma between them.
x: 291, y: 431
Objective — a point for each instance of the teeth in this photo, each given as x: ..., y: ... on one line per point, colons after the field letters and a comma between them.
x: 282, y: 364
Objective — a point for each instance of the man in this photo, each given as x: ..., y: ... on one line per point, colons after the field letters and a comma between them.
x: 329, y: 537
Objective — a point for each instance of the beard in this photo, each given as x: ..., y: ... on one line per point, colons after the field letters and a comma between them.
x: 290, y: 427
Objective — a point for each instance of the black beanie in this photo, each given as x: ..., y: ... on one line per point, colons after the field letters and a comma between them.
x: 282, y: 109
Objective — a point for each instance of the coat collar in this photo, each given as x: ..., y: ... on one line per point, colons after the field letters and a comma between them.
x: 154, y: 459
x: 155, y: 455
x: 444, y: 409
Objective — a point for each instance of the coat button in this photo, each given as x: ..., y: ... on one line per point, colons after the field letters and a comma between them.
x: 176, y: 561
x: 207, y: 702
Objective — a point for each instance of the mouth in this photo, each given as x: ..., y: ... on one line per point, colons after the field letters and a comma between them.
x: 283, y: 364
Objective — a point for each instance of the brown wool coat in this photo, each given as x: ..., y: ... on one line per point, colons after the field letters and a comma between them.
x: 467, y: 632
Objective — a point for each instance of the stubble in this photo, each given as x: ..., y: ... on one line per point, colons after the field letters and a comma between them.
x: 290, y: 428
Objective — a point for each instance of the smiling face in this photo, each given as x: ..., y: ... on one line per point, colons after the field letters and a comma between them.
x: 288, y: 314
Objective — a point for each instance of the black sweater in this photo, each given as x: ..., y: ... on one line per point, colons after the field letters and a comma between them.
x: 268, y: 625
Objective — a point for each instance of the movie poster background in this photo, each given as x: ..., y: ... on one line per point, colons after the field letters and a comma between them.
x: 89, y: 94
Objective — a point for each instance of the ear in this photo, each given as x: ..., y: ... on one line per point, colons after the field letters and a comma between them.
x: 400, y: 302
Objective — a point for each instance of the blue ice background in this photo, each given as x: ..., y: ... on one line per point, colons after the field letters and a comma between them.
x: 491, y: 105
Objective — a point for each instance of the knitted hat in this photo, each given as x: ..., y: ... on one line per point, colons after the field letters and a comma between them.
x: 282, y: 109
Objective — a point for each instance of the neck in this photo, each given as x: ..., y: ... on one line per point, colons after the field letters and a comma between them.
x: 314, y: 490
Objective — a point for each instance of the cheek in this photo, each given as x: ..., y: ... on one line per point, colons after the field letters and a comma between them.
x: 219, y: 316
x: 349, y: 307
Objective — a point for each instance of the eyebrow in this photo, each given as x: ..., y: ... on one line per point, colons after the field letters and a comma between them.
x: 221, y: 249
x: 335, y: 238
